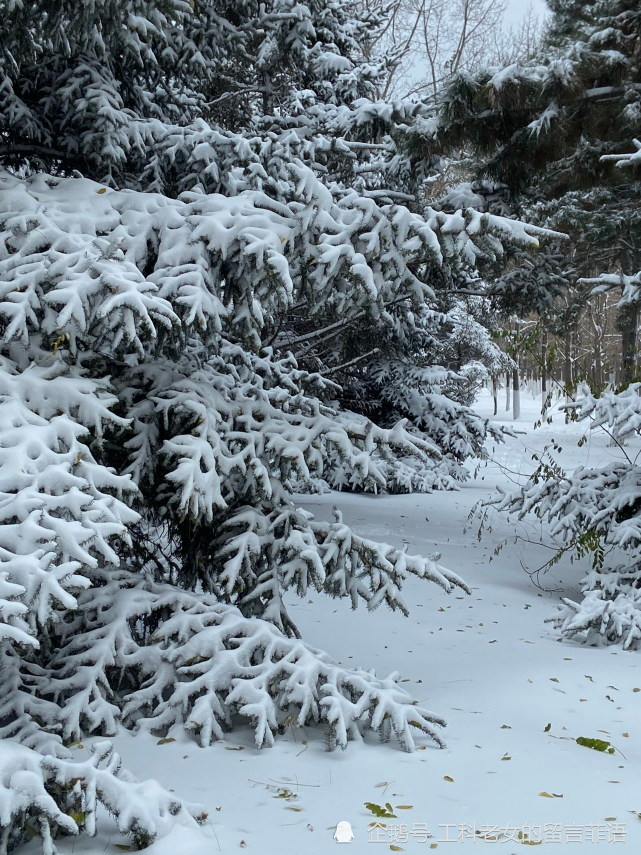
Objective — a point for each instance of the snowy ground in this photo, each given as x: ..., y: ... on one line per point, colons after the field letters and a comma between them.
x: 488, y: 663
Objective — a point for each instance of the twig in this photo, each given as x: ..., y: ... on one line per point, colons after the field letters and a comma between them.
x: 356, y: 359
x: 215, y: 835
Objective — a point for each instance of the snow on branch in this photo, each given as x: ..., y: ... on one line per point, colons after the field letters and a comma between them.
x: 45, y: 796
x: 623, y: 160
x: 620, y: 411
x: 186, y: 660
x: 613, y: 617
x: 630, y: 286
x: 58, y: 511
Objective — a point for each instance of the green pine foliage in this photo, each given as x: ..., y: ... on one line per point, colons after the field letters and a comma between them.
x: 199, y: 205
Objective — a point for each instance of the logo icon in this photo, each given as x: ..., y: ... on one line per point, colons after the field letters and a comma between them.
x: 343, y: 833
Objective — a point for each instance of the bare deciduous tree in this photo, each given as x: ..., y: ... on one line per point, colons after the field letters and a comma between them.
x: 428, y: 40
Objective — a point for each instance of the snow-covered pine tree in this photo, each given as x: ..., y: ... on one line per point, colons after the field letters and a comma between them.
x: 556, y: 132
x: 153, y: 424
x: 547, y: 130
x: 597, y: 511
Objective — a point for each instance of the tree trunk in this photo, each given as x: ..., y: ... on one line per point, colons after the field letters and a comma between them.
x: 627, y: 322
x: 495, y: 393
x: 516, y: 394
x: 507, y: 393
x: 567, y: 367
x: 544, y: 371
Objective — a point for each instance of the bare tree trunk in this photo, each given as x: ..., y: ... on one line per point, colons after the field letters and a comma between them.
x: 628, y: 321
x: 544, y: 370
x: 516, y: 393
x: 507, y: 393
x: 567, y: 366
x: 495, y: 393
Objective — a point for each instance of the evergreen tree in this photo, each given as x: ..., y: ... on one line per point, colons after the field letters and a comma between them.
x: 556, y: 132
x: 156, y: 409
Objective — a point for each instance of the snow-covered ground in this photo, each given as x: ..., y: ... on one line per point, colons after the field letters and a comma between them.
x: 514, y: 696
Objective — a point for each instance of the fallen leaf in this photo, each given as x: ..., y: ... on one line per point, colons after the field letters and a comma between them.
x: 165, y: 740
x: 506, y: 757
x: 506, y: 727
x: 234, y: 747
x: 382, y: 784
x: 404, y: 807
x: 554, y: 679
x: 102, y: 190
x: 395, y: 848
x: 547, y: 727
x: 447, y: 778
x: 291, y: 807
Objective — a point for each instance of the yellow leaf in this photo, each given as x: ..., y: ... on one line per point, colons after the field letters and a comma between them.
x: 396, y: 848
x: 447, y: 778
x: 102, y: 190
x: 404, y: 807
x: 165, y: 740
x: 433, y: 845
x: 284, y: 793
x: 78, y: 816
x: 610, y: 819
x: 546, y: 795
x: 291, y: 807
x: 125, y: 847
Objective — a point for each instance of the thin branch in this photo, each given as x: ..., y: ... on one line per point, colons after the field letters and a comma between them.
x: 336, y: 368
x: 338, y: 324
